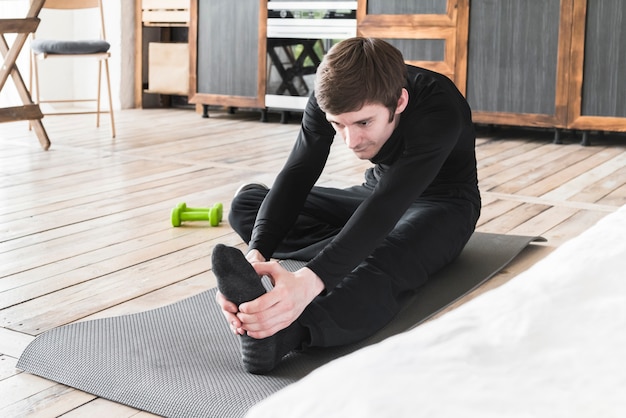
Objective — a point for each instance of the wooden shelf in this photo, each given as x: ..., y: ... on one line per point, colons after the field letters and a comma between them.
x: 156, y: 21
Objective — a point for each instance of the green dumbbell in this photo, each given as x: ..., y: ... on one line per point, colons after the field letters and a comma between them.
x: 181, y: 213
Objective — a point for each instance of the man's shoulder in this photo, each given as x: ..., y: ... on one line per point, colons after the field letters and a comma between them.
x: 416, y: 72
x: 423, y: 82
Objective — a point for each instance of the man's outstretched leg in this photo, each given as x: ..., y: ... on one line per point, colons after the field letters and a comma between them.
x: 239, y: 283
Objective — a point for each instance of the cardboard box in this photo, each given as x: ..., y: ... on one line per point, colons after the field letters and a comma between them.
x: 168, y: 68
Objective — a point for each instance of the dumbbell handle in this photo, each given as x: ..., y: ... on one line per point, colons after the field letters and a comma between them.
x: 195, y: 215
x: 195, y: 210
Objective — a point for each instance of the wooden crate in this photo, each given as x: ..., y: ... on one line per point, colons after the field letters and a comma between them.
x: 168, y: 68
x: 165, y: 12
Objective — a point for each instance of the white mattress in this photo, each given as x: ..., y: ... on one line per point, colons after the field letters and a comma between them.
x: 549, y: 343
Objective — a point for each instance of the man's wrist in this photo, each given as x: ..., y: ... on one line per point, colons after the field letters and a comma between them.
x: 316, y: 285
x: 255, y: 256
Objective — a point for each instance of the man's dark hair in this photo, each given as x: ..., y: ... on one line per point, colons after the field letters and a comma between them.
x: 359, y: 71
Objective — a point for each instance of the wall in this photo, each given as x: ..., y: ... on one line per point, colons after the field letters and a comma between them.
x: 78, y: 77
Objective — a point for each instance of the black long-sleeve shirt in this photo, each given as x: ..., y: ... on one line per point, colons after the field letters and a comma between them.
x: 430, y: 153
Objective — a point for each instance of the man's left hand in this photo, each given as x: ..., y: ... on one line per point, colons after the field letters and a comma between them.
x: 277, y: 309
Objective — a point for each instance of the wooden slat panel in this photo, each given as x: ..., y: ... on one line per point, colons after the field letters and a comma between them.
x: 165, y: 4
x: 164, y: 17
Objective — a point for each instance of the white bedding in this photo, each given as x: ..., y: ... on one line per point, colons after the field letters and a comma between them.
x: 549, y: 343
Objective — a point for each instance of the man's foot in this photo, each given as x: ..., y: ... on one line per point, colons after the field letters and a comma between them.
x: 239, y: 283
x: 260, y: 356
x: 236, y: 279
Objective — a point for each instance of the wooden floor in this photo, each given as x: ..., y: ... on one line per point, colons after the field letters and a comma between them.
x: 85, y: 230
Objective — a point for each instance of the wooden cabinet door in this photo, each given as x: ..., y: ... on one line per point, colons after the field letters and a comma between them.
x: 227, y: 46
x: 597, y: 83
x: 517, y: 61
x: 430, y: 33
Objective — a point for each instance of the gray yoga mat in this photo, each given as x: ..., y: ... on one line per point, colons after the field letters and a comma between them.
x: 181, y: 360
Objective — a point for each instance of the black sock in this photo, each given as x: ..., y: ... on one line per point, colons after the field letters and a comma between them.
x: 236, y: 279
x: 263, y: 355
x: 239, y: 283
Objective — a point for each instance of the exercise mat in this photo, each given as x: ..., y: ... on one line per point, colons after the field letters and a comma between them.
x: 181, y: 360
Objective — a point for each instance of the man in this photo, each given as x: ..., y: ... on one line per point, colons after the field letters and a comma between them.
x: 366, y: 246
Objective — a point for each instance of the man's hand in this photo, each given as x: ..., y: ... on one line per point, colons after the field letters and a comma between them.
x: 276, y: 310
x: 230, y: 310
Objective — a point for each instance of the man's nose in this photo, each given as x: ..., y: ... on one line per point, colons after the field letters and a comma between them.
x: 351, y: 137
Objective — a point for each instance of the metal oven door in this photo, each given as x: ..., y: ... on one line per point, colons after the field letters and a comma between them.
x: 298, y: 36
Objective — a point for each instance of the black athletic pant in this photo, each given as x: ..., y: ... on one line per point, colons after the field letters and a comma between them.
x: 430, y: 235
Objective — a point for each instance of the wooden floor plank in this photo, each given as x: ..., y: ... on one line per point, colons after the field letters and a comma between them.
x: 75, y: 302
x: 616, y: 197
x: 108, y: 260
x: 102, y: 408
x: 160, y: 297
x: 149, y: 196
x: 568, y: 172
x: 513, y: 218
x: 544, y: 222
x: 495, y: 209
x: 493, y: 156
x: 21, y: 386
x: 7, y: 367
x: 575, y: 225
x: 596, y: 181
x: 538, y: 169
x: 52, y: 401
x: 13, y: 343
x: 609, y: 188
x: 518, y: 164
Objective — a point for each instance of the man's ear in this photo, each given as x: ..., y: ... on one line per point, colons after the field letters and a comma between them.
x: 403, y: 101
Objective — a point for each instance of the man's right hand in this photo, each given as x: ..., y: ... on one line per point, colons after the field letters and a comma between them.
x: 230, y: 310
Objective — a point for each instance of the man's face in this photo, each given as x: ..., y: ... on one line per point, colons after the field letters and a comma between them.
x: 366, y: 130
